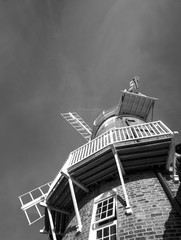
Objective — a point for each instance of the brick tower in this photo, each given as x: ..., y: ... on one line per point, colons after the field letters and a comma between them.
x: 121, y: 184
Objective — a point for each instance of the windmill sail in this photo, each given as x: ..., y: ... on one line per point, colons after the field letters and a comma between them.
x: 30, y: 203
x: 79, y: 124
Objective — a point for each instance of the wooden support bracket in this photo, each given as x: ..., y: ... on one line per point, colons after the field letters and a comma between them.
x: 43, y: 204
x: 172, y: 159
x: 51, y: 224
x: 175, y: 175
x: 79, y: 226
x: 80, y: 185
x: 117, y: 157
x: 118, y: 163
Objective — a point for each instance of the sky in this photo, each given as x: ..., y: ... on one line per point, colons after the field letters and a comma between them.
x: 58, y: 56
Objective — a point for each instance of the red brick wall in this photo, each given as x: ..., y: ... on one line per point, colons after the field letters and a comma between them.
x: 153, y: 216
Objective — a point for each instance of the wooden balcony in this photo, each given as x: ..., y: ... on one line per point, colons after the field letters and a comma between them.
x: 147, y: 135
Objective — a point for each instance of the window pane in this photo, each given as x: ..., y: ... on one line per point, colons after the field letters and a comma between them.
x: 98, y: 211
x: 105, y: 203
x: 113, y: 237
x: 98, y: 217
x: 103, y: 215
x: 104, y: 208
x: 110, y: 206
x: 110, y: 200
x: 113, y: 229
x: 99, y: 234
x: 109, y: 213
x: 106, y: 232
x: 99, y: 205
x: 106, y: 238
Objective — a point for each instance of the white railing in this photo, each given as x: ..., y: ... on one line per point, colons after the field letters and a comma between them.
x: 122, y: 135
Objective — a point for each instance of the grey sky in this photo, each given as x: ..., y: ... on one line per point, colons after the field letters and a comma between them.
x: 58, y: 56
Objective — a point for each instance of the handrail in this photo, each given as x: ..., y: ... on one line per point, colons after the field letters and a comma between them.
x: 123, y: 134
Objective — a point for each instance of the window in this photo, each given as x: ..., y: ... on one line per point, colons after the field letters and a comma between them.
x: 104, y: 218
x: 105, y: 209
x: 107, y: 233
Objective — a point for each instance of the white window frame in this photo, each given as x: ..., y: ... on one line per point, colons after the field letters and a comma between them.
x: 106, y: 226
x: 102, y: 212
x: 95, y: 225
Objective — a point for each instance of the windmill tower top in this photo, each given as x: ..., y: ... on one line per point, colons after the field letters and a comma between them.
x: 131, y: 103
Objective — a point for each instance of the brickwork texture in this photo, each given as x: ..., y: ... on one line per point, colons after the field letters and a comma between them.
x: 153, y: 215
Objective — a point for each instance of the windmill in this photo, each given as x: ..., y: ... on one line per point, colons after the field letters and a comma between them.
x: 124, y: 138
x: 30, y: 201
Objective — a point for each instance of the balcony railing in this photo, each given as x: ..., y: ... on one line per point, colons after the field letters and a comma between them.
x: 123, y: 135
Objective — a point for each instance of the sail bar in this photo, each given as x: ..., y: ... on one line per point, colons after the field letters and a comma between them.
x: 30, y: 202
x: 79, y: 124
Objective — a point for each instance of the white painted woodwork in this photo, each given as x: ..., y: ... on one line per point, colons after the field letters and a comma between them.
x: 137, y: 132
x: 118, y: 163
x: 51, y: 224
x: 34, y: 202
x: 79, y: 229
x: 43, y: 204
x: 79, y: 124
x: 76, y: 182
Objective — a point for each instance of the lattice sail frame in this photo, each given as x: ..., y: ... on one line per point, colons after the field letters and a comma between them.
x: 79, y: 124
x: 30, y: 203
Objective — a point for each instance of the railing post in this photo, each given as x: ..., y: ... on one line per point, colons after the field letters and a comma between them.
x: 111, y: 136
x: 68, y: 162
x: 161, y: 123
